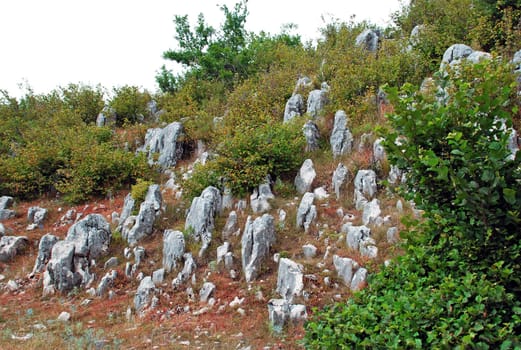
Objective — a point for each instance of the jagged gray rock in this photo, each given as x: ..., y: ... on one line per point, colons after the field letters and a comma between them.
x: 368, y: 39
x: 101, y: 120
x: 60, y: 267
x: 2, y: 230
x: 392, y: 235
x: 10, y: 246
x: 455, y: 53
x: 259, y: 200
x: 200, y: 219
x: 256, y: 241
x: 290, y: 279
x: 379, y: 151
x: 231, y: 226
x: 312, y: 136
x: 341, y: 139
x: 340, y: 177
x: 478, y: 56
x: 222, y: 250
x: 144, y: 293
x: 355, y: 234
x: 128, y: 208
x: 5, y: 213
x: 371, y: 211
x: 165, y: 142
x: 158, y: 276
x: 306, y: 212
x: 278, y: 314
x: 294, y: 107
x: 143, y: 224
x: 206, y: 291
x: 90, y: 236
x: 111, y: 262
x: 305, y: 177
x: 346, y: 268
x: 44, y: 251
x: 36, y: 215
x: 173, y: 249
x: 303, y: 82
x: 317, y: 99
x: 106, y: 282
x: 309, y: 250
x: 359, y: 279
x: 365, y: 187
x: 188, y: 269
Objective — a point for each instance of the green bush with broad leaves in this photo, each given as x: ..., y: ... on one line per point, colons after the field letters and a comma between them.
x: 129, y: 104
x: 458, y: 284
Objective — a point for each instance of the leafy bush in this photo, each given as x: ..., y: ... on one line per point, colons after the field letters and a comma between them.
x: 139, y: 190
x: 129, y: 104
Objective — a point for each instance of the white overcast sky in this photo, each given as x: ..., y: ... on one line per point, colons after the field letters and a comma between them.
x: 50, y: 43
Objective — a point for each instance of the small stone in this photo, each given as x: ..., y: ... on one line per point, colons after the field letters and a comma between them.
x: 64, y: 317
x: 112, y: 262
x: 310, y: 251
x: 12, y: 286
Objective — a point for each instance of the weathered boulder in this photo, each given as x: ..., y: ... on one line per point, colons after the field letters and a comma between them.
x: 294, y: 107
x: 359, y: 279
x: 312, y: 135
x: 341, y: 138
x: 309, y: 250
x: 290, y: 279
x: 113, y: 261
x: 173, y: 249
x: 206, y: 291
x: 368, y: 39
x: 455, y: 53
x: 200, y: 219
x: 60, y: 267
x: 478, y: 56
x: 222, y: 250
x: 144, y: 293
x: 305, y: 177
x: 158, y: 276
x: 355, y: 235
x: 231, y: 226
x: 188, y: 269
x: 128, y: 208
x: 143, y: 223
x: 278, y: 314
x: 307, y: 211
x: 10, y: 246
x: 44, y: 251
x: 5, y: 203
x: 101, y: 120
x: 379, y: 151
x: 154, y: 196
x: 90, y: 236
x: 371, y: 211
x: 2, y: 230
x: 317, y: 99
x: 36, y: 215
x: 256, y: 241
x: 345, y: 267
x: 340, y: 177
x: 393, y: 235
x: 365, y: 187
x: 259, y: 200
x: 106, y: 282
x: 303, y: 82
x: 165, y: 142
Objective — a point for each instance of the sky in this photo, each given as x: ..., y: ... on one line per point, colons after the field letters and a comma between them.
x: 45, y: 44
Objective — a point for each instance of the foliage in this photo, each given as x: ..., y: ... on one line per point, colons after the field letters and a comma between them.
x: 129, y: 104
x: 139, y: 190
x: 83, y: 100
x: 458, y: 284
x: 249, y: 156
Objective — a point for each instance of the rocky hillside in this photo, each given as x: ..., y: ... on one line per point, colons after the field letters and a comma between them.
x: 229, y: 225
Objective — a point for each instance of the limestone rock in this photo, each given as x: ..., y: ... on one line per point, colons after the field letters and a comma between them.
x: 306, y: 212
x: 379, y: 151
x: 128, y: 208
x: 455, y: 54
x: 111, y: 262
x: 317, y: 100
x: 355, y: 234
x: 346, y: 268
x: 259, y: 200
x: 290, y: 279
x: 340, y: 177
x: 36, y: 215
x: 393, y: 235
x: 312, y: 135
x: 158, y: 276
x: 478, y: 56
x: 294, y: 107
x: 60, y: 267
x: 143, y: 223
x: 106, y: 282
x: 305, y: 177
x: 188, y: 269
x: 201, y: 216
x: 278, y: 314
x: 144, y: 293
x: 359, y: 279
x: 10, y: 246
x: 341, y: 138
x: 231, y: 226
x: 5, y: 203
x: 173, y: 249
x: 368, y: 39
x: 309, y: 250
x: 2, y: 230
x: 257, y: 239
x: 222, y: 250
x: 371, y: 212
x: 206, y: 291
x: 165, y: 142
x: 90, y: 236
x: 365, y: 187
x: 44, y: 251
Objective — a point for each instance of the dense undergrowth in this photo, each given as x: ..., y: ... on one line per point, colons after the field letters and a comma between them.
x: 457, y: 285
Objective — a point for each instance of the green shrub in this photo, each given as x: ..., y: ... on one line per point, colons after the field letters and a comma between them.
x: 139, y: 190
x: 129, y: 104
